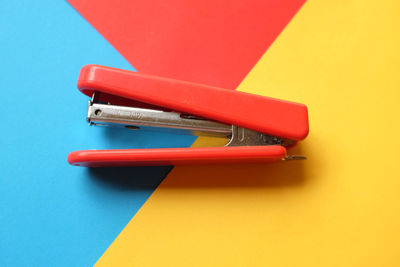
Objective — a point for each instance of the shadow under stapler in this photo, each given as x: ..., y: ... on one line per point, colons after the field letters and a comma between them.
x: 129, y: 178
x: 281, y: 174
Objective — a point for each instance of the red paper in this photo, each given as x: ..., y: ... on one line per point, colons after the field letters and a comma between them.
x: 207, y: 41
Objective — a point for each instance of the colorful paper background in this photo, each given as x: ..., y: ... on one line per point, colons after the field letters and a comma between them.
x: 338, y: 208
x: 52, y: 214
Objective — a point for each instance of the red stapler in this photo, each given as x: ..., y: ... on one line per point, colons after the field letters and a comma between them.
x: 259, y: 128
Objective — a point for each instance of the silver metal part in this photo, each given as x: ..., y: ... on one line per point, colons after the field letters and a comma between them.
x: 245, y: 137
x: 148, y: 119
x: 101, y: 114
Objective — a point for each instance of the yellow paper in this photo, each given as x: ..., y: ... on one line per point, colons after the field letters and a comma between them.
x: 340, y: 207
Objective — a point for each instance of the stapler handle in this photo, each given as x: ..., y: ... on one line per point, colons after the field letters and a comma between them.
x: 263, y: 114
x: 176, y: 156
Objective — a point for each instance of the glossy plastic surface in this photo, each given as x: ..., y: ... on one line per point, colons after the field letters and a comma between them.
x: 175, y: 156
x: 268, y: 115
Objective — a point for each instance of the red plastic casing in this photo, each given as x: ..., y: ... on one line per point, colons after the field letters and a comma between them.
x: 176, y: 156
x: 263, y: 114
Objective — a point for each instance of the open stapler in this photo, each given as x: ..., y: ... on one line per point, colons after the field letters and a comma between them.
x: 259, y: 129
